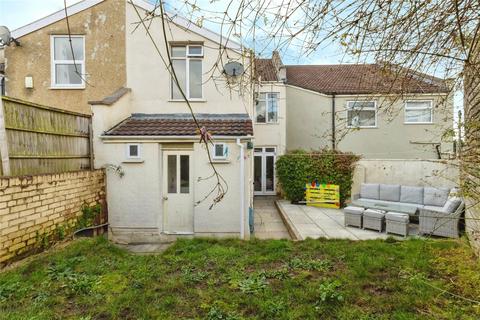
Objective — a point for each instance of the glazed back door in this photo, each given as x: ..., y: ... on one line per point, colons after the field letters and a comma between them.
x: 178, y: 192
x: 264, y: 171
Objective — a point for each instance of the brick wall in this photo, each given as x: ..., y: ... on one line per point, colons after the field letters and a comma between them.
x: 33, y: 206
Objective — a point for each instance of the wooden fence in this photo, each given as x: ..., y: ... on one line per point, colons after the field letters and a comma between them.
x: 36, y: 139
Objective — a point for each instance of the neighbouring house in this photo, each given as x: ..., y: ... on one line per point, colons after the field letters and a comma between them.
x: 160, y: 182
x: 357, y: 108
x: 270, y: 122
x: 41, y: 68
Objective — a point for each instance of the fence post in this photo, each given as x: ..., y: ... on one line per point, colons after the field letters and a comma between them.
x: 90, y: 142
x: 3, y: 142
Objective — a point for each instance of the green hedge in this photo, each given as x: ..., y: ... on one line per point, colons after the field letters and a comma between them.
x: 296, y: 168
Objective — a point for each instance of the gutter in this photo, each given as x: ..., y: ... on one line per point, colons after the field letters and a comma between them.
x: 242, y: 189
x: 191, y: 138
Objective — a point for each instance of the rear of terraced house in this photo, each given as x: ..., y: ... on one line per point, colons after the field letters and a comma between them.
x: 160, y: 181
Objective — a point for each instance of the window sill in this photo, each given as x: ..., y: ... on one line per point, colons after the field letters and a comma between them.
x: 190, y: 100
x: 67, y: 88
x: 375, y: 127
x: 133, y: 161
x: 416, y: 123
x: 267, y: 123
x: 220, y: 161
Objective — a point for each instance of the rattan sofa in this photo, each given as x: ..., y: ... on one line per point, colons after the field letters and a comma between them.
x: 440, y: 223
x: 438, y: 209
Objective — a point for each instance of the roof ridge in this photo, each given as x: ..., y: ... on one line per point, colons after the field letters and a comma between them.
x: 334, y: 64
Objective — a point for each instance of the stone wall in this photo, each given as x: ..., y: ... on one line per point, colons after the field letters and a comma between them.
x: 33, y: 206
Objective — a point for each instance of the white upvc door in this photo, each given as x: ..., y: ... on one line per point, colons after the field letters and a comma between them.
x: 264, y: 170
x: 178, y: 192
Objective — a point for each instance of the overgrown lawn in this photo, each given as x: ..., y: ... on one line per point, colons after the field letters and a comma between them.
x: 230, y: 279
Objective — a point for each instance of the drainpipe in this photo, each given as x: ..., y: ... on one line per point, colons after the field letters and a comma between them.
x: 242, y: 189
x: 333, y: 122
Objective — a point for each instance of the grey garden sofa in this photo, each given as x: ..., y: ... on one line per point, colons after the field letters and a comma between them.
x: 439, y: 212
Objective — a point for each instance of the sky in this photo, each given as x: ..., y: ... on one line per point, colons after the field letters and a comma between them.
x: 16, y: 13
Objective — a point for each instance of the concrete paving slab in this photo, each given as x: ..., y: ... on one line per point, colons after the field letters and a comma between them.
x: 268, y: 223
x: 314, y: 222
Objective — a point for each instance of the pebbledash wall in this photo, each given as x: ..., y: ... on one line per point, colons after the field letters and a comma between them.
x: 31, y: 206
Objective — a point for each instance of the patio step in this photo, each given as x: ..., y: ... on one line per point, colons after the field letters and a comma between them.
x: 294, y: 234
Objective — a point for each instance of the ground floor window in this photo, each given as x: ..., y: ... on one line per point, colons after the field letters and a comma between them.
x: 418, y: 111
x: 361, y: 114
x: 220, y: 151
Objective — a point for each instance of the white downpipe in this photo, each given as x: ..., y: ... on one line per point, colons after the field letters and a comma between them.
x: 242, y: 190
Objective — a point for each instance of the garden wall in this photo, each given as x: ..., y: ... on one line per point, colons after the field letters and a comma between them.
x: 437, y: 173
x: 32, y: 207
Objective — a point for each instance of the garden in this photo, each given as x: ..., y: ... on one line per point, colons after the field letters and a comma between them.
x: 232, y: 279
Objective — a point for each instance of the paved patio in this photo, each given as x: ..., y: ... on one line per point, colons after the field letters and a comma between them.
x: 313, y: 222
x: 267, y: 221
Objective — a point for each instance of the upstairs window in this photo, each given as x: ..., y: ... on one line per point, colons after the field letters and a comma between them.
x: 418, y: 112
x: 361, y: 114
x: 67, y: 62
x: 187, y: 63
x: 267, y: 108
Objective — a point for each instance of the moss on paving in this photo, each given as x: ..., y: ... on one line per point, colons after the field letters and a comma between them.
x: 230, y: 279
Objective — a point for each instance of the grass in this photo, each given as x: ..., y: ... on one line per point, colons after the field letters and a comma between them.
x: 230, y: 279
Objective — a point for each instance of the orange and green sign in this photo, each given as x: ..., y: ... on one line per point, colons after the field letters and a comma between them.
x: 322, y: 195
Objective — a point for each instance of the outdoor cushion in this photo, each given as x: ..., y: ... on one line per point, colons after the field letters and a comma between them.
x: 390, y: 192
x: 397, y: 216
x: 370, y: 191
x: 374, y: 213
x: 433, y: 208
x: 353, y: 210
x: 435, y: 196
x: 411, y: 194
x: 387, y: 203
x: 451, y: 205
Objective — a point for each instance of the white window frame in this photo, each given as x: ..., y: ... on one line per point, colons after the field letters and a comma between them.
x: 54, y: 62
x: 187, y: 58
x: 214, y: 155
x: 418, y: 108
x: 267, y: 119
x: 193, y: 55
x: 367, y: 109
x: 139, y: 148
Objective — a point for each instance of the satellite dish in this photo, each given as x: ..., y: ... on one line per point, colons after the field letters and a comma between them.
x: 5, y: 36
x: 233, y: 68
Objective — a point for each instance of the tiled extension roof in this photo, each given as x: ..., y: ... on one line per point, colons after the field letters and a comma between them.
x: 182, y: 124
x: 362, y: 79
x: 265, y: 69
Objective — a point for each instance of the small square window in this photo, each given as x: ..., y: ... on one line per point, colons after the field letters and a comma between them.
x: 220, y: 151
x: 133, y: 151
